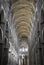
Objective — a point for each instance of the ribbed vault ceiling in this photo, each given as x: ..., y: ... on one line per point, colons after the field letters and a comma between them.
x: 22, y: 16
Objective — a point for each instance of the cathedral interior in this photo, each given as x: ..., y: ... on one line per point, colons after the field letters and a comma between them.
x: 21, y: 32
